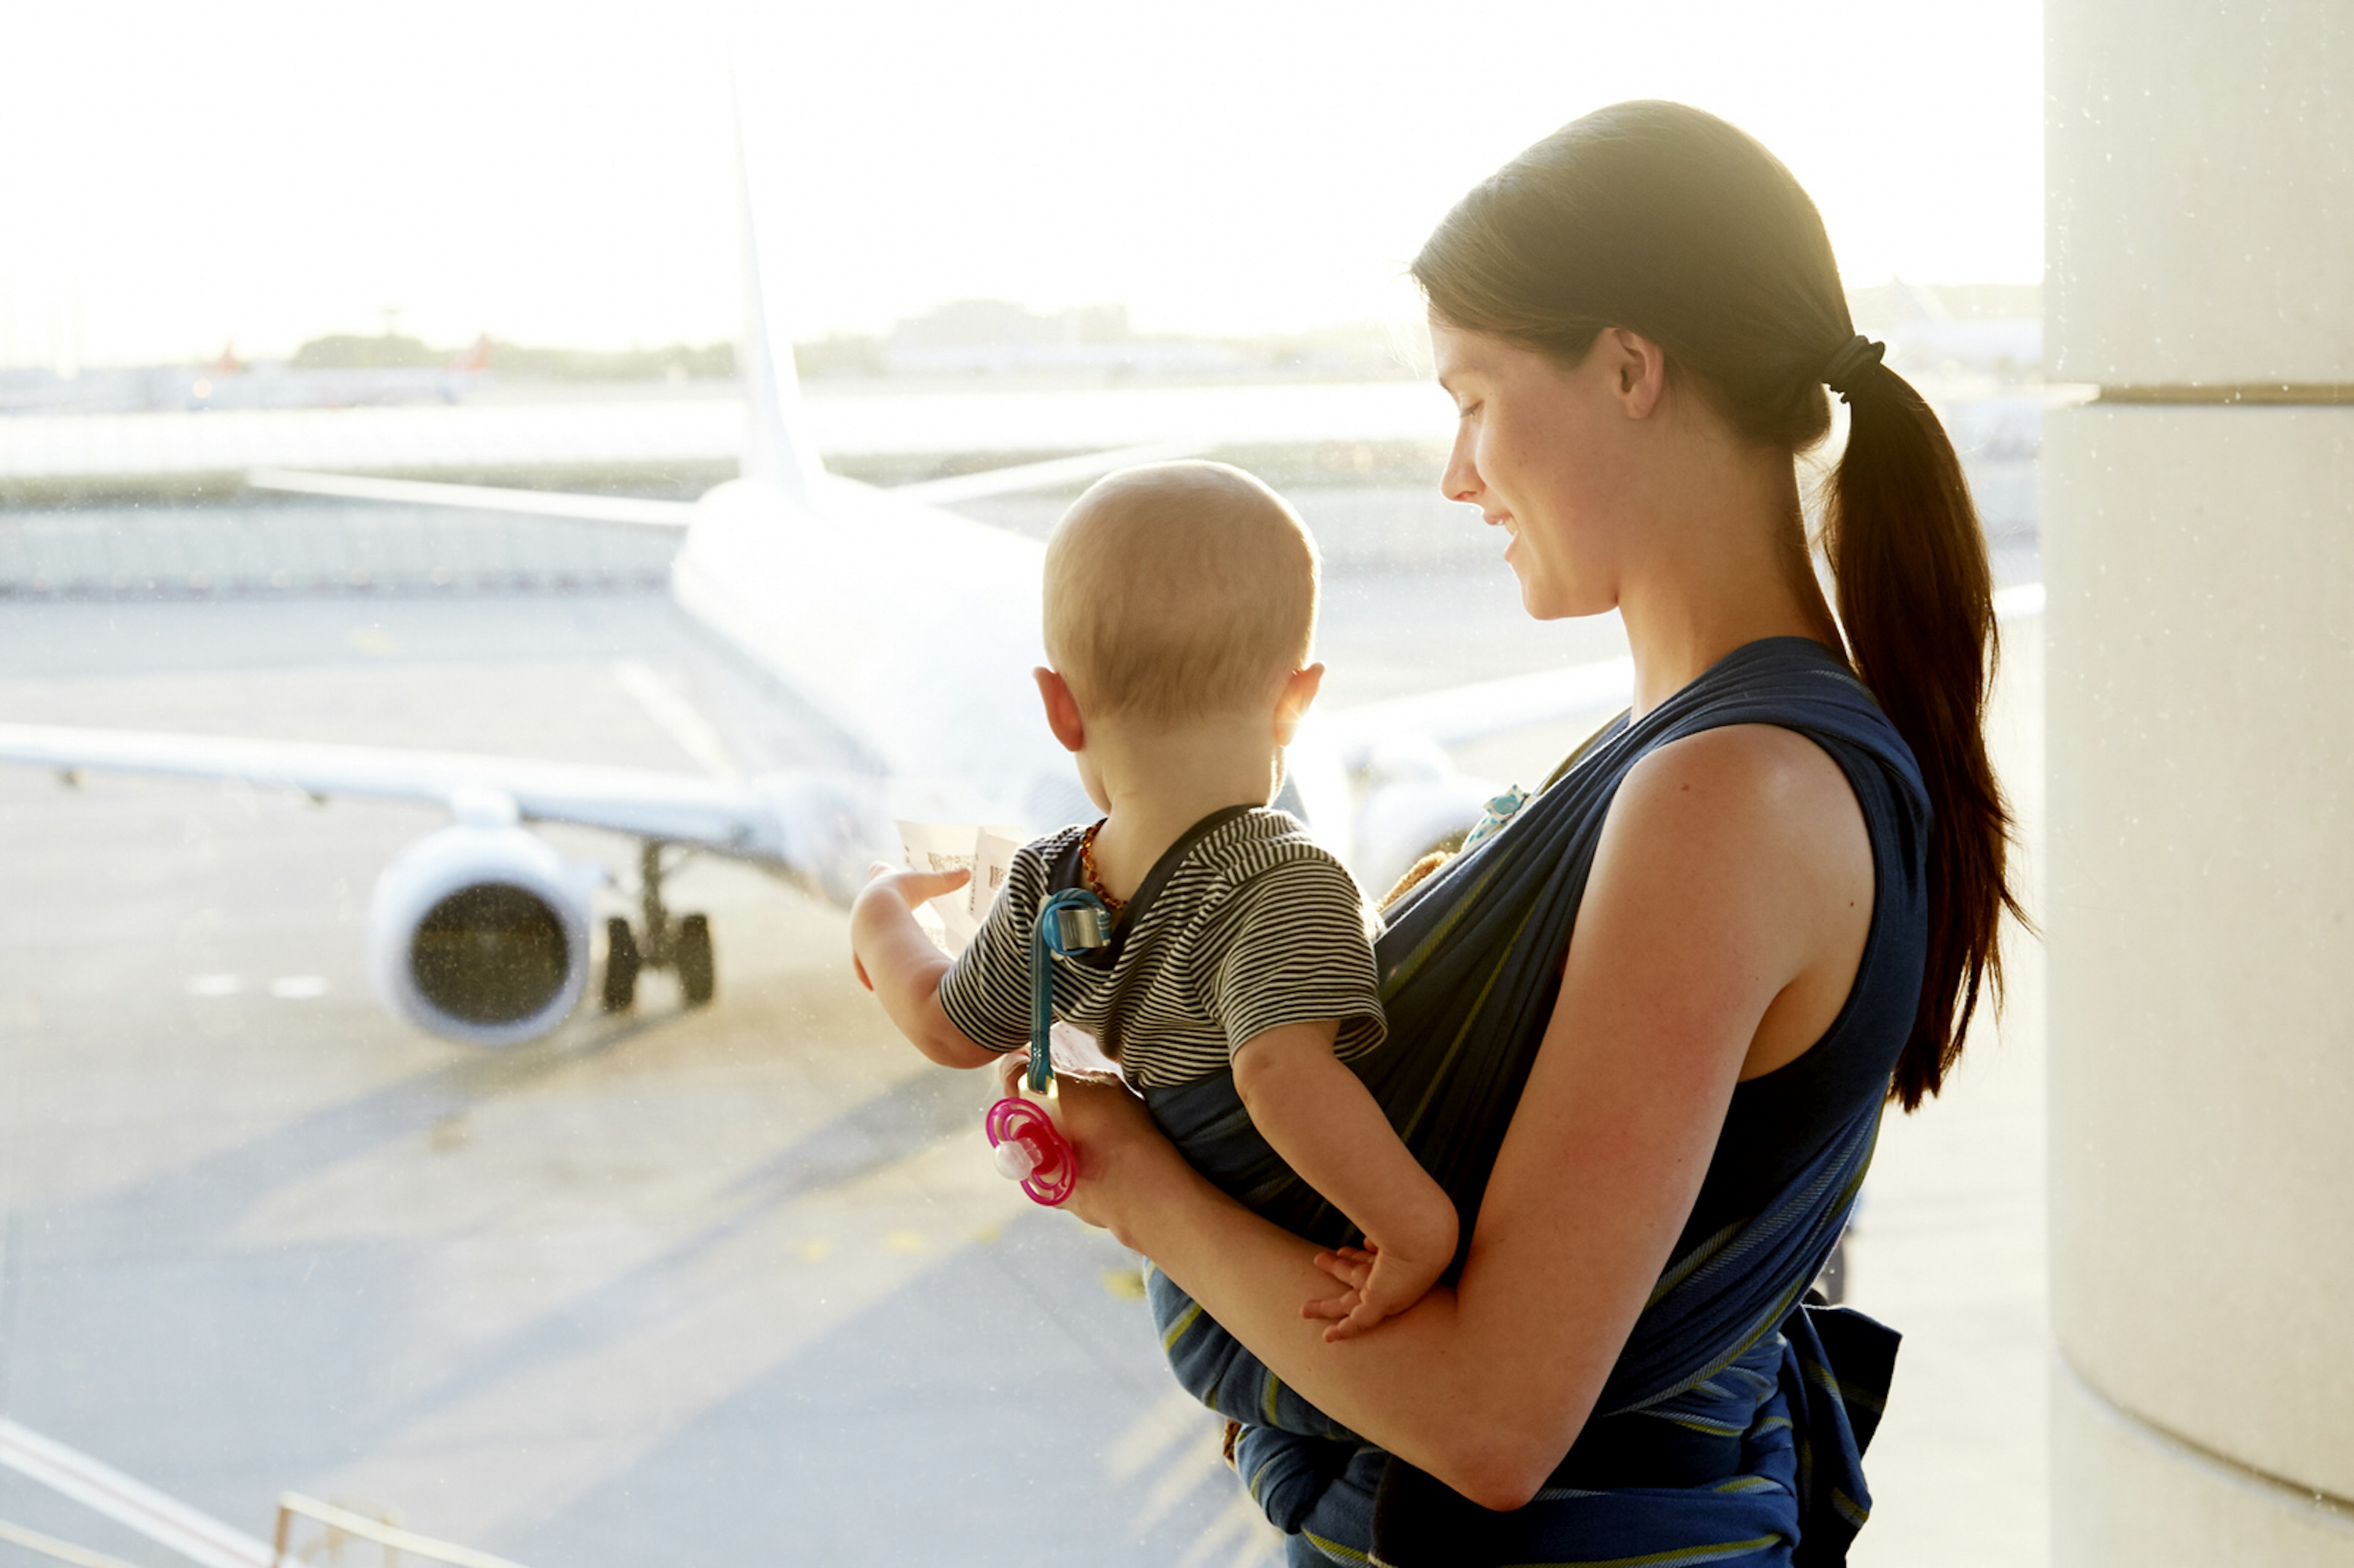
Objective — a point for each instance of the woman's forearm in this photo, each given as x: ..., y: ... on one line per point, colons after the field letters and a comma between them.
x: 1422, y: 1385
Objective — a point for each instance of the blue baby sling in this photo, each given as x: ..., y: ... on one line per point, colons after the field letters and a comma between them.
x: 1732, y: 1427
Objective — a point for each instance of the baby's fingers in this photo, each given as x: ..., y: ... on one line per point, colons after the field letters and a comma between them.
x: 1331, y: 1310
x: 917, y: 887
x: 1364, y: 1316
x: 1348, y: 1265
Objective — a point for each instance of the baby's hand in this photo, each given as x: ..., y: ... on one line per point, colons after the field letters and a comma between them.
x: 1381, y: 1285
x: 913, y: 888
x: 892, y: 896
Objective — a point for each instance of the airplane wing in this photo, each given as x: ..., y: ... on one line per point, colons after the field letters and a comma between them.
x: 771, y: 819
x: 1043, y: 475
x: 627, y: 511
x: 670, y: 807
x: 1459, y: 714
x: 638, y: 512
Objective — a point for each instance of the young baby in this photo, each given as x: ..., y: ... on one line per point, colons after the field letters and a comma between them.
x: 1181, y: 608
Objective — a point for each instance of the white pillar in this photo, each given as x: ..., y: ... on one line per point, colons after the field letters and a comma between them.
x: 2199, y: 541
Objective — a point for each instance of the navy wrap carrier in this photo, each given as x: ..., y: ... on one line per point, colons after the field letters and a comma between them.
x: 1732, y: 1426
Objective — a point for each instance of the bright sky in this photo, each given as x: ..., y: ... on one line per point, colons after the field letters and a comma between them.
x: 177, y: 176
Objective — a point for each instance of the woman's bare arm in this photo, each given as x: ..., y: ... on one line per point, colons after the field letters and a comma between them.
x: 1707, y: 899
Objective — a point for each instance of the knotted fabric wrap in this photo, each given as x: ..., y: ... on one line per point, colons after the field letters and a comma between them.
x: 1732, y: 1426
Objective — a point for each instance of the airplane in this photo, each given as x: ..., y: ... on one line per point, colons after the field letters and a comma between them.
x: 903, y: 633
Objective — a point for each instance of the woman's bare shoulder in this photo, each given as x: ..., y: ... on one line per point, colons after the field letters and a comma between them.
x: 1751, y: 841
x: 1753, y: 784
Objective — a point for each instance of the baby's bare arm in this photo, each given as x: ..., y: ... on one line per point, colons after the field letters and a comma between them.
x: 902, y: 966
x: 1324, y: 1122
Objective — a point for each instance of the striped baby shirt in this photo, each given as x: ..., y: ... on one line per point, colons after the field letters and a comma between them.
x: 1244, y: 924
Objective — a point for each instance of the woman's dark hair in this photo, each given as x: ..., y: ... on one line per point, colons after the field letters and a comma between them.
x: 1673, y: 225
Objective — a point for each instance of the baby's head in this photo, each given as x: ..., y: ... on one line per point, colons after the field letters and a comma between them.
x: 1180, y: 594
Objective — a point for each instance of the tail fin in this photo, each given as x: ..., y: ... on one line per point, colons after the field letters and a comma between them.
x: 776, y: 445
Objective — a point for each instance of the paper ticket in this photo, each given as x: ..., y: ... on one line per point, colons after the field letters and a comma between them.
x: 986, y: 852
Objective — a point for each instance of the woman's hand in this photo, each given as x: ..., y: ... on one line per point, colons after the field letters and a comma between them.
x: 1124, y: 1160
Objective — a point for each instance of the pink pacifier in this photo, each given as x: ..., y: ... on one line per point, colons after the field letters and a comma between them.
x: 1030, y: 1148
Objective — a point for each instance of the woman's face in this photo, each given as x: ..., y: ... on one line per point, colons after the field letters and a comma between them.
x: 1547, y: 453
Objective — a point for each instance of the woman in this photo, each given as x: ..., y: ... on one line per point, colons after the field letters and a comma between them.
x: 1758, y: 907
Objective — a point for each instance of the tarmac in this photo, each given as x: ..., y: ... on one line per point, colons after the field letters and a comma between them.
x: 727, y: 1285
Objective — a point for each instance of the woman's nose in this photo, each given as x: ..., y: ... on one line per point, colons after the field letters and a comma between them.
x: 1459, y: 480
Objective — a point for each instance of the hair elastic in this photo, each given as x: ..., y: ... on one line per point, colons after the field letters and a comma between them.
x: 1846, y: 370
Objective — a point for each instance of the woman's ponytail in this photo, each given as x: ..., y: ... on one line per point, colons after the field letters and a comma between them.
x: 1915, y: 599
x: 1672, y: 224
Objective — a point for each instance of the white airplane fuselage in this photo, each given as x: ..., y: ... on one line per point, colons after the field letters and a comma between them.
x: 914, y: 632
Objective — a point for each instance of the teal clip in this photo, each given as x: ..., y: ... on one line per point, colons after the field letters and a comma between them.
x: 1071, y: 922
x: 1501, y: 809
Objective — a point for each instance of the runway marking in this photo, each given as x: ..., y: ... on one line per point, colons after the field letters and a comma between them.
x: 298, y: 988
x: 49, y: 1546
x: 1199, y: 1460
x: 1240, y: 1523
x: 541, y: 1430
x: 215, y: 985
x: 1171, y: 1418
x: 678, y: 718
x: 100, y: 1487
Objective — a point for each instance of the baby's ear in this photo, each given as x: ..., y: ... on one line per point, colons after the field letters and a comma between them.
x: 1062, y: 709
x: 1291, y: 703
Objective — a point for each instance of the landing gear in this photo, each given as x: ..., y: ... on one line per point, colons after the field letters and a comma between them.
x: 622, y: 966
x: 692, y: 958
x: 683, y: 948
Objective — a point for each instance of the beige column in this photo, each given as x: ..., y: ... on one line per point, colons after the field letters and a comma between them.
x: 2199, y: 541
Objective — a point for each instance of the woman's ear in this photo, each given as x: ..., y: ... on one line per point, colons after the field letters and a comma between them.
x: 1062, y: 709
x: 1291, y: 703
x: 1638, y: 370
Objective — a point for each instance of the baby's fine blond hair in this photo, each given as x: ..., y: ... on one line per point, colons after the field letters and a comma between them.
x: 1178, y: 591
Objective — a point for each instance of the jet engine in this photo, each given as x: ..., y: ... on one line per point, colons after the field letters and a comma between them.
x: 1415, y: 800
x: 480, y: 933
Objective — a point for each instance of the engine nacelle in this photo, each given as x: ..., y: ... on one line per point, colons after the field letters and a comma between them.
x: 1415, y: 801
x: 480, y: 933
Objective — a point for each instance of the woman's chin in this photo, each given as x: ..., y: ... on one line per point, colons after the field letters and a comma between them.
x: 1538, y: 600
x: 1543, y: 601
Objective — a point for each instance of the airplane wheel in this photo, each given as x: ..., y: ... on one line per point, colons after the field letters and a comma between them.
x: 621, y: 965
x: 697, y: 977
